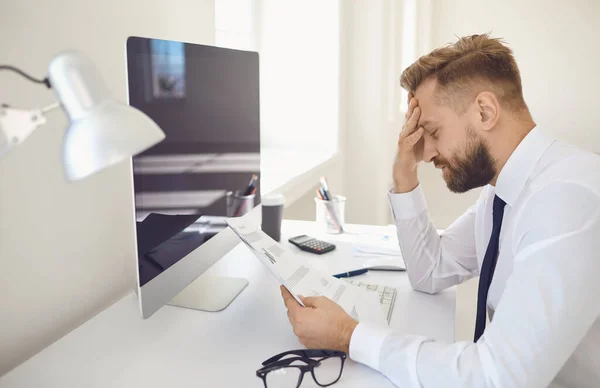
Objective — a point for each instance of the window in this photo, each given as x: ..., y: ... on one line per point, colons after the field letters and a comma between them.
x: 235, y: 24
x: 168, y: 69
x: 298, y: 43
x: 300, y: 74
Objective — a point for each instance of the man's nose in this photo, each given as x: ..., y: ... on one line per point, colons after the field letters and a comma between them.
x: 429, y: 149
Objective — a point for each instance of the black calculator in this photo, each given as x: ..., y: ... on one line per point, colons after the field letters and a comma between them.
x: 312, y: 245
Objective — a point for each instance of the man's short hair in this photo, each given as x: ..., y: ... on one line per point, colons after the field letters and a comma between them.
x: 467, y: 67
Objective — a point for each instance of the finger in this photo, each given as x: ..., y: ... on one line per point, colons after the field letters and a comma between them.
x: 412, y: 104
x: 295, y: 314
x: 308, y: 344
x: 293, y: 310
x: 285, y: 299
x: 411, y: 124
x: 311, y: 301
x: 416, y: 136
x: 289, y: 301
x: 285, y: 293
x: 411, y: 95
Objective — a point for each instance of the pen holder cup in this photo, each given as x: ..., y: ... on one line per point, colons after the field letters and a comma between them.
x: 330, y: 215
x: 237, y: 205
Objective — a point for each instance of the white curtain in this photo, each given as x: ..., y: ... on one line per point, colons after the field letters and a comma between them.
x: 380, y: 38
x: 298, y: 43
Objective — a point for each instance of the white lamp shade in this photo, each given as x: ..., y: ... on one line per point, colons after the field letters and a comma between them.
x: 110, y: 133
x: 103, y: 131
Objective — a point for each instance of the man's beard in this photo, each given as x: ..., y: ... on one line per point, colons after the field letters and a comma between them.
x: 475, y: 169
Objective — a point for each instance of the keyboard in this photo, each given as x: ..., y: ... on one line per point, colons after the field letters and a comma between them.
x: 387, y: 296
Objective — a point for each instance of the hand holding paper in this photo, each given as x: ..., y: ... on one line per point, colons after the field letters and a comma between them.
x: 323, y: 324
x: 299, y: 279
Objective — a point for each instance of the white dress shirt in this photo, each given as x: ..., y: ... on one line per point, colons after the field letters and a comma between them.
x: 546, y: 287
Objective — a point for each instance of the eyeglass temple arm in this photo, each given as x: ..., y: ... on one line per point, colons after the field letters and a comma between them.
x: 286, y: 362
x: 306, y: 353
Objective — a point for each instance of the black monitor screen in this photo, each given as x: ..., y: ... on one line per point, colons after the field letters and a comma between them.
x: 206, y: 100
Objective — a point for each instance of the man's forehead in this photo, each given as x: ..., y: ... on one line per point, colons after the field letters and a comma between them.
x: 426, y: 91
x: 425, y: 96
x: 427, y: 87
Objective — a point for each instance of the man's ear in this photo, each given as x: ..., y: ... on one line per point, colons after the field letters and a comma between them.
x: 488, y: 109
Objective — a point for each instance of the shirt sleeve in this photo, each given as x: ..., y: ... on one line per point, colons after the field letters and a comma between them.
x: 548, y: 305
x: 433, y: 261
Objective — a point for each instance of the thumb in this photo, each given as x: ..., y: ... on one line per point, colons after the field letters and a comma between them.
x: 310, y: 301
x: 415, y: 137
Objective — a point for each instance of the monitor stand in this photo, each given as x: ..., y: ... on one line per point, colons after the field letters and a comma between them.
x: 209, y: 293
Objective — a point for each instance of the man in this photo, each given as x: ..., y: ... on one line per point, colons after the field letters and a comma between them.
x: 533, y: 236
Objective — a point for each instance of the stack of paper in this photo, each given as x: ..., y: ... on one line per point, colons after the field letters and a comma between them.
x: 366, y: 250
x: 376, y: 245
x: 301, y: 279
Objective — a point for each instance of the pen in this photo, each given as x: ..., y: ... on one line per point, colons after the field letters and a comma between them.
x: 350, y: 274
x: 250, y: 187
x: 325, y: 195
x: 320, y: 195
x: 329, y: 208
x: 325, y: 188
x: 387, y: 269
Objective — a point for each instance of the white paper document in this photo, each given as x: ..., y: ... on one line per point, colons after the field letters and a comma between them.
x: 373, y: 246
x: 300, y: 279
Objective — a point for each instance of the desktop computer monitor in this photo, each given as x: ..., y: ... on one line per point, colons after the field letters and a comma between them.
x: 206, y: 100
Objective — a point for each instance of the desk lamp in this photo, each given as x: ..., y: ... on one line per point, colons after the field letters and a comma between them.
x: 102, y: 131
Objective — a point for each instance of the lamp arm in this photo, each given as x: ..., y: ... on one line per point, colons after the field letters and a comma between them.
x: 17, y: 124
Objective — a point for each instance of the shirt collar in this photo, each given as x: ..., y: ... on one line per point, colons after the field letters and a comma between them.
x: 520, y: 165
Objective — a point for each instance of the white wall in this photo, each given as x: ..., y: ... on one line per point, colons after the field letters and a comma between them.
x: 67, y: 249
x: 556, y: 47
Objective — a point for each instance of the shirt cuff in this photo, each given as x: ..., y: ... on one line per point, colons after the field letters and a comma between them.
x: 366, y: 343
x: 399, y: 359
x: 407, y: 205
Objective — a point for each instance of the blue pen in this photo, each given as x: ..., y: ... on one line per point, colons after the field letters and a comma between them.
x: 324, y: 194
x: 349, y: 274
x: 325, y: 189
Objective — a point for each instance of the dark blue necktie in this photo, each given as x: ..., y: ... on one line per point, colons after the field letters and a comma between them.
x: 488, y: 267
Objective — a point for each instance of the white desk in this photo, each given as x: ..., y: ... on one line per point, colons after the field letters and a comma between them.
x: 177, y: 347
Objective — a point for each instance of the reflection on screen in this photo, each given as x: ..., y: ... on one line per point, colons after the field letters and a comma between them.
x: 206, y: 100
